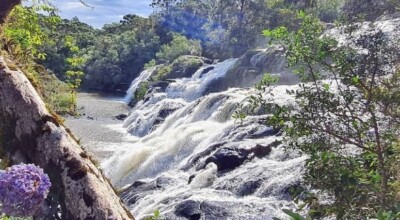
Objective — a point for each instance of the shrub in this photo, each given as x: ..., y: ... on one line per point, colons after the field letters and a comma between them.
x: 161, y: 72
x: 347, y: 125
x: 141, y: 92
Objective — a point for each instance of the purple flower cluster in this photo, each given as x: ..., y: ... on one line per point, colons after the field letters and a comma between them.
x: 23, y: 188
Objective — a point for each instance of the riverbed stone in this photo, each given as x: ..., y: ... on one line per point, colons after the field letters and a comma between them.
x: 189, y: 209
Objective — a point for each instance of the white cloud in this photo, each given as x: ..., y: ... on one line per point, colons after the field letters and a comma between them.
x: 72, y: 5
x: 103, y: 11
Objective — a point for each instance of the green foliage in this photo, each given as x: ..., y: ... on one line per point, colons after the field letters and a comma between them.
x: 156, y: 216
x: 389, y: 215
x: 293, y: 215
x: 250, y: 104
x: 114, y: 55
x: 348, y: 125
x: 74, y: 74
x: 141, y: 92
x: 161, y: 72
x: 56, y: 94
x: 276, y: 33
x: 118, y: 52
x: 151, y: 63
x: 267, y: 81
x: 24, y: 37
x: 23, y: 33
x: 225, y: 28
x: 179, y: 46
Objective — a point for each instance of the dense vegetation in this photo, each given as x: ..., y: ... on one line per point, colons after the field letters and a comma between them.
x: 358, y: 110
x: 117, y: 53
x: 345, y: 117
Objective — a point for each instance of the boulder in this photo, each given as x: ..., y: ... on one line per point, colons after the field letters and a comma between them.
x: 189, y: 209
x: 162, y: 85
x: 227, y: 159
x: 213, y: 210
x: 265, y: 132
x: 185, y: 66
x: 248, y: 187
x: 182, y: 67
x: 230, y: 157
x: 140, y: 189
x: 121, y: 117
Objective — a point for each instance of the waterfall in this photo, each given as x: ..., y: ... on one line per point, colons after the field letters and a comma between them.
x: 192, y: 88
x: 192, y: 160
x: 144, y: 76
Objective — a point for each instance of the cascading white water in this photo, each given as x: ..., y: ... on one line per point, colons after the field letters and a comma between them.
x: 192, y: 88
x: 191, y: 160
x: 144, y: 76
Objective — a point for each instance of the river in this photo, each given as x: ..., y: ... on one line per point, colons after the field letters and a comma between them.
x: 97, y: 126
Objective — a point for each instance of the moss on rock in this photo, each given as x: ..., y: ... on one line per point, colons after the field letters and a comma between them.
x: 183, y: 66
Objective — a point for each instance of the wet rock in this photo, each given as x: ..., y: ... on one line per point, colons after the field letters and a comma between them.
x: 231, y: 157
x: 162, y: 85
x: 214, y: 211
x: 259, y: 151
x: 184, y: 67
x: 293, y: 189
x: 249, y: 188
x: 195, y: 159
x: 191, y: 177
x: 140, y: 189
x: 136, y: 191
x: 207, y: 69
x: 164, y: 113
x: 121, y: 117
x: 164, y: 181
x: 265, y: 132
x: 227, y: 159
x: 189, y: 209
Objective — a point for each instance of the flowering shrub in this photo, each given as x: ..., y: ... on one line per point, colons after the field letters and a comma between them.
x: 23, y: 188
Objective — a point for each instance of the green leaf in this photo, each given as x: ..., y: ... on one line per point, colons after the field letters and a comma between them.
x: 295, y: 216
x: 326, y: 86
x: 355, y: 80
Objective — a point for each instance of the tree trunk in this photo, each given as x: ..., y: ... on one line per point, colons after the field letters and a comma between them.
x: 27, y: 127
x: 5, y: 8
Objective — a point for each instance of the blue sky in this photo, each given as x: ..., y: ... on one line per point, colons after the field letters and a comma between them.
x: 104, y: 11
